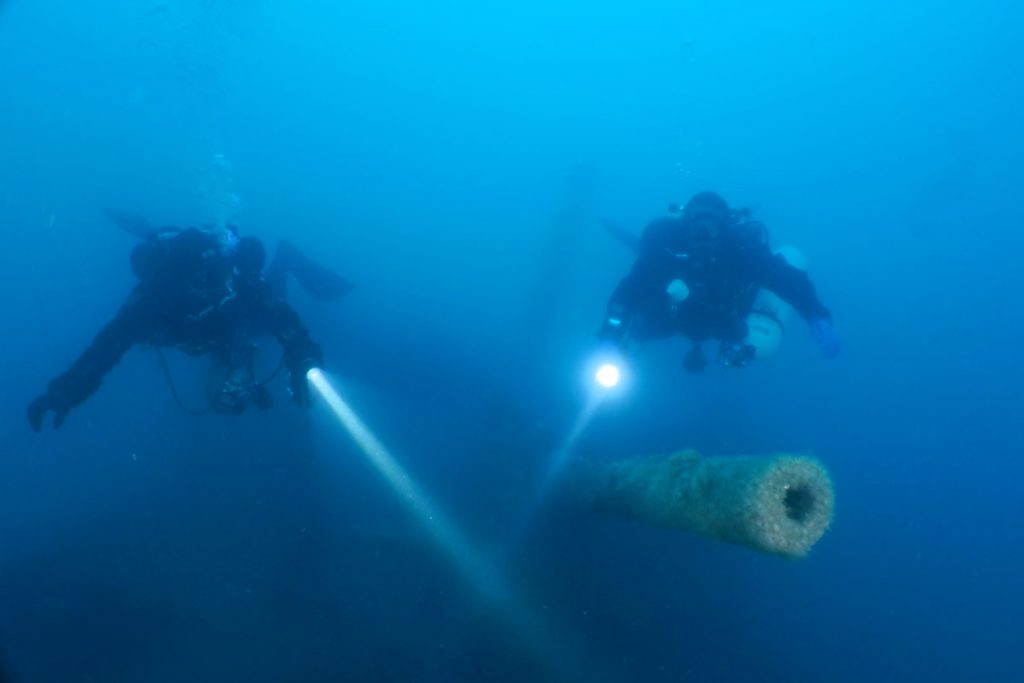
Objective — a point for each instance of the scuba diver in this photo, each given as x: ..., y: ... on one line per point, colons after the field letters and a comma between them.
x: 203, y: 292
x: 702, y: 273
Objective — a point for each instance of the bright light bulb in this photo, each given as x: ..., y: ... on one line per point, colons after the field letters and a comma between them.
x: 608, y: 375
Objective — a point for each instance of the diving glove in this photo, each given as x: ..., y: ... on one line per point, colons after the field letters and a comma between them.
x: 825, y: 336
x: 299, y: 388
x: 613, y: 329
x: 43, y: 404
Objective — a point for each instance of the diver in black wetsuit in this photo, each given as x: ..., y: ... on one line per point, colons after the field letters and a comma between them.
x: 697, y: 274
x: 203, y: 292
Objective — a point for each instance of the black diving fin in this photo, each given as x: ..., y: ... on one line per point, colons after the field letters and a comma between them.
x: 317, y: 281
x: 623, y: 235
x: 131, y: 223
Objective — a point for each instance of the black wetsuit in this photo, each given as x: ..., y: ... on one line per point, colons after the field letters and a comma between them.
x: 722, y: 277
x: 193, y: 297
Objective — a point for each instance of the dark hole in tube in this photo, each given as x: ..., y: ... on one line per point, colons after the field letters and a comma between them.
x: 799, y: 502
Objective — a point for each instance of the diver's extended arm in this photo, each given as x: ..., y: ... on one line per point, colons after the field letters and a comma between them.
x: 643, y: 281
x: 301, y: 353
x: 793, y: 286
x: 85, y: 375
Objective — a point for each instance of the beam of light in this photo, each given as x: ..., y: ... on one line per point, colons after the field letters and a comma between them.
x: 437, y: 525
x: 606, y: 369
x: 559, y: 459
x: 605, y: 377
x: 555, y: 464
x: 483, y: 578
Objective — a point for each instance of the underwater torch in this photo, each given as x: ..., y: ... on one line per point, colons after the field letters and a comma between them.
x: 608, y: 375
x: 606, y: 367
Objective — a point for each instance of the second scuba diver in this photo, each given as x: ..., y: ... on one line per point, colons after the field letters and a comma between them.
x: 698, y: 274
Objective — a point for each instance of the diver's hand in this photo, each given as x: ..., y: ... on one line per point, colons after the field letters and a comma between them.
x: 826, y: 337
x: 612, y: 333
x: 302, y: 358
x: 37, y: 413
x: 299, y: 388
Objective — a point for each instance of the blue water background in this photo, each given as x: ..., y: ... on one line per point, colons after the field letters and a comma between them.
x: 454, y: 160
